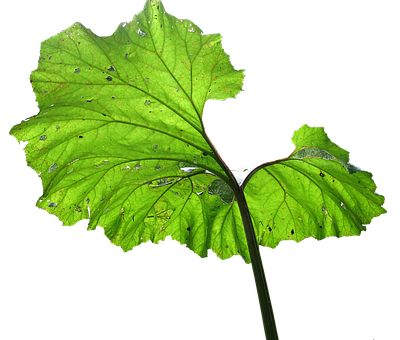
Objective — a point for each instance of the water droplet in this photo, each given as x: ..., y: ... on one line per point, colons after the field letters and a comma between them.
x: 106, y: 210
x: 109, y: 78
x: 155, y: 147
x: 77, y: 70
x: 323, y: 208
x: 147, y: 102
x: 52, y: 205
x: 88, y: 200
x: 141, y: 33
x: 191, y: 30
x: 53, y: 167
x: 57, y: 127
x: 127, y: 55
x: 146, y: 80
x: 177, y: 90
x: 158, y: 167
x: 322, y: 174
x: 43, y: 137
x: 89, y: 101
x: 111, y: 69
x: 78, y: 209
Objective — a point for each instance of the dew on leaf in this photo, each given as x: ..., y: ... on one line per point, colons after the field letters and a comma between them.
x: 43, y: 137
x: 109, y: 78
x: 127, y: 55
x: 52, y: 205
x: 158, y: 167
x: 88, y: 200
x: 77, y: 70
x: 147, y: 102
x: 57, y: 127
x: 53, y: 167
x: 323, y: 208
x: 222, y: 189
x: 155, y: 147
x: 78, y: 209
x: 111, y: 69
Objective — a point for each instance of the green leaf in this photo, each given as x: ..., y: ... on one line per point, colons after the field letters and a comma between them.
x: 119, y: 138
x: 314, y: 192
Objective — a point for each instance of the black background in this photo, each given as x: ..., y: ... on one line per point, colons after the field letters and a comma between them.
x: 321, y: 65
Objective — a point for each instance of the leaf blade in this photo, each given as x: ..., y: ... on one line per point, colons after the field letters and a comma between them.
x: 121, y: 118
x: 311, y: 193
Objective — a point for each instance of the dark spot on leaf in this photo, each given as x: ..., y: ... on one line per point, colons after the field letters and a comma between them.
x: 89, y: 101
x: 80, y: 136
x: 188, y: 229
x: 112, y: 68
x: 322, y: 174
x: 77, y: 70
x: 109, y: 78
x: 292, y: 232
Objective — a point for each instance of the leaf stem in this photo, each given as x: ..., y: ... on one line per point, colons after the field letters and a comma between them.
x: 258, y: 270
